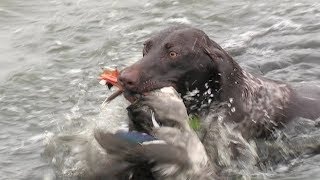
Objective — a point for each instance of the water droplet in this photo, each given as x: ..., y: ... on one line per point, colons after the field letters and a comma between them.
x: 231, y: 100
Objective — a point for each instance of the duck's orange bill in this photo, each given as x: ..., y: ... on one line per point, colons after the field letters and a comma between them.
x: 111, y: 77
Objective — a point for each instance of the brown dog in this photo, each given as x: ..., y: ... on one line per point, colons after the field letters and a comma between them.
x: 187, y: 59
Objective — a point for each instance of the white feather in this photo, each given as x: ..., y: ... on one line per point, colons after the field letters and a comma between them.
x: 154, y: 122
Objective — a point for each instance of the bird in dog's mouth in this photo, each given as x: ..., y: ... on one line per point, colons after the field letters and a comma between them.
x: 159, y: 144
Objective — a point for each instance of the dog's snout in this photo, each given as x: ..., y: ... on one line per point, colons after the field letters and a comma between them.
x: 129, y: 78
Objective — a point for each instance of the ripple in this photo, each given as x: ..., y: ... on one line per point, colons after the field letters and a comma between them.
x: 52, y: 52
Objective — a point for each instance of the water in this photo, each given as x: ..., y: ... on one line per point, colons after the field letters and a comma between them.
x: 51, y: 53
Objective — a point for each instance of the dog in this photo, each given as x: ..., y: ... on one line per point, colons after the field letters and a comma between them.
x: 209, y: 79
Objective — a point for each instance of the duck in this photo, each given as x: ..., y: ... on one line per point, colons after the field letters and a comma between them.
x: 160, y: 143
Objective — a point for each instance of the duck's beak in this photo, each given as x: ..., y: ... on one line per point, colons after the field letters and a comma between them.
x: 109, y: 77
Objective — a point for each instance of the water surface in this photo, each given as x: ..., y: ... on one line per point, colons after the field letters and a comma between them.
x: 51, y: 53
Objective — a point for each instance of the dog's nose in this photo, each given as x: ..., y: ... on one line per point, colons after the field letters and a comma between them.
x: 129, y: 78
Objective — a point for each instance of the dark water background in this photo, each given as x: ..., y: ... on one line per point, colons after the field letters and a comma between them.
x: 51, y: 53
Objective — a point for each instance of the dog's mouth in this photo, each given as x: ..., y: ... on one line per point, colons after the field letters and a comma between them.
x: 132, y: 94
x: 151, y: 85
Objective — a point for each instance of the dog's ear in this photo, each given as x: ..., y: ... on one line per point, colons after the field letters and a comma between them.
x: 223, y: 62
x: 214, y: 51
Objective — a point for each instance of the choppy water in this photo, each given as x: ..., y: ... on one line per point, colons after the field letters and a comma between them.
x: 51, y: 53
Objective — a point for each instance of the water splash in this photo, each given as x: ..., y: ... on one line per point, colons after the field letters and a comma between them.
x: 73, y: 153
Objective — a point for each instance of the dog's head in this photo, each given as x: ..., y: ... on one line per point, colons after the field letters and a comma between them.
x: 182, y: 57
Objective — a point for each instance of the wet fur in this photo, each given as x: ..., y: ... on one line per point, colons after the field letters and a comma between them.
x: 255, y: 104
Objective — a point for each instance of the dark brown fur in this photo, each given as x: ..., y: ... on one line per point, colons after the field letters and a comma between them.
x: 187, y: 59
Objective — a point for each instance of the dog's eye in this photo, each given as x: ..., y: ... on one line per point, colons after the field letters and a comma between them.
x: 173, y: 54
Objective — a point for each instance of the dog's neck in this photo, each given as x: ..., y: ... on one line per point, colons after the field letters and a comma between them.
x: 246, y: 95
x: 246, y: 98
x: 199, y: 99
x: 218, y: 88
x: 265, y: 99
